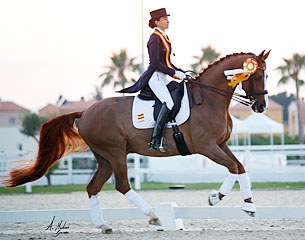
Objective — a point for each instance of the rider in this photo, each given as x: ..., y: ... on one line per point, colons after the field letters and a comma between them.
x: 159, y: 50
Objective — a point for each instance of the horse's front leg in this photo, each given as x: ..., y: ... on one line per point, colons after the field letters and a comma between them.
x: 221, y: 156
x: 217, y: 155
x: 244, y: 183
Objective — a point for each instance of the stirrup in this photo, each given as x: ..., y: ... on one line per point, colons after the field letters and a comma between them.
x: 155, y: 146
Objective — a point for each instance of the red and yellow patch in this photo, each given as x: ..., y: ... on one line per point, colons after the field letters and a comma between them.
x: 141, y: 117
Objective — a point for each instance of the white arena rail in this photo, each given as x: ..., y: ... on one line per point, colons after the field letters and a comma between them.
x: 169, y: 213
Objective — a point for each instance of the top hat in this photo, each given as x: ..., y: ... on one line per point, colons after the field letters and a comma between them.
x: 156, y: 14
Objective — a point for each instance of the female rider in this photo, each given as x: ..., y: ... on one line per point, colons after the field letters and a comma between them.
x: 154, y: 78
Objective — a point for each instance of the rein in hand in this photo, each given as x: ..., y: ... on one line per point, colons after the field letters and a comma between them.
x: 243, y: 99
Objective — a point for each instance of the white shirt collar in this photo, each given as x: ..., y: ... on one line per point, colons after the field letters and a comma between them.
x: 163, y: 32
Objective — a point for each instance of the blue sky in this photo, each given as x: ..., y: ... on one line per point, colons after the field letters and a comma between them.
x: 53, y: 47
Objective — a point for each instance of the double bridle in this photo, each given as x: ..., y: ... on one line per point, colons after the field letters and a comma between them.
x: 253, y: 92
x: 247, y: 100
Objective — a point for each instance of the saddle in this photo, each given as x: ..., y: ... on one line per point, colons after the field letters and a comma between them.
x: 176, y: 91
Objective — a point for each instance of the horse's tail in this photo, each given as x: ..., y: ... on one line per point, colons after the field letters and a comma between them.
x: 58, y: 137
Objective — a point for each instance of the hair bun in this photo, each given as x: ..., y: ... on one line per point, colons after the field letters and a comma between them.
x: 151, y: 23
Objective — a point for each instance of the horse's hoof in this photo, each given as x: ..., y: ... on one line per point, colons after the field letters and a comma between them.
x: 106, y: 229
x: 251, y: 214
x: 154, y: 222
x: 214, y: 198
x: 249, y: 208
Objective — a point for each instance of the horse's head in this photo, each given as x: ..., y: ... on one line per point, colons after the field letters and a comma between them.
x: 255, y: 86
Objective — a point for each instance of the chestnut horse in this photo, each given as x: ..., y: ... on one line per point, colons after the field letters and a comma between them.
x: 106, y: 127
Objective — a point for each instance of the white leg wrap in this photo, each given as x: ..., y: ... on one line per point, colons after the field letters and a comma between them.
x: 95, y: 211
x: 138, y: 201
x: 228, y: 184
x: 245, y: 185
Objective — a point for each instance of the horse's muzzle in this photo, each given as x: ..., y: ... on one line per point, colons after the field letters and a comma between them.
x: 258, y: 107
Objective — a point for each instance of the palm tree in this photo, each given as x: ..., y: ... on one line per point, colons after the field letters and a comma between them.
x: 121, y: 71
x: 291, y: 71
x: 208, y: 56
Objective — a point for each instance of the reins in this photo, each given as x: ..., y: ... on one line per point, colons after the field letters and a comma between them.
x: 243, y: 99
x: 246, y: 100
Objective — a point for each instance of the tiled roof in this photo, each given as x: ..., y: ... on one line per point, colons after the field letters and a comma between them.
x: 69, y: 106
x: 77, y: 105
x: 11, y: 107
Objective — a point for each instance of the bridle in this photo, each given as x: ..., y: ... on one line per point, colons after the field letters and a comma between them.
x: 247, y: 100
x: 252, y: 92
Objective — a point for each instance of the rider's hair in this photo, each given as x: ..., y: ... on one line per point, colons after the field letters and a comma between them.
x: 152, y: 23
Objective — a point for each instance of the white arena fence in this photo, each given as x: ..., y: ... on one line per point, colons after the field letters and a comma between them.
x: 171, y: 216
x: 263, y: 163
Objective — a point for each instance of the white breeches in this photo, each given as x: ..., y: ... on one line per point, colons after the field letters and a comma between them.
x: 157, y: 84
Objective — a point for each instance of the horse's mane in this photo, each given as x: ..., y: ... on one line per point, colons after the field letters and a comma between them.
x: 220, y: 60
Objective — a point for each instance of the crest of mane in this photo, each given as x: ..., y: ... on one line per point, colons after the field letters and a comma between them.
x: 220, y: 60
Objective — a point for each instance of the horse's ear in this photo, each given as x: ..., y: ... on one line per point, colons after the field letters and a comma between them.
x: 266, y: 55
x: 261, y: 54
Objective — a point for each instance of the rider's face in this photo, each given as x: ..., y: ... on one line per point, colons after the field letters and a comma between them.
x: 162, y: 23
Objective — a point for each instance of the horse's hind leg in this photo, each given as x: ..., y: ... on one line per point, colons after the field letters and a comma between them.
x: 102, y: 174
x: 122, y: 185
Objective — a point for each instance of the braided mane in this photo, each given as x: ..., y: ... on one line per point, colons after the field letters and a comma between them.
x: 220, y: 60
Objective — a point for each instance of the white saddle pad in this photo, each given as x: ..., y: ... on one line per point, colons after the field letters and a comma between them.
x: 142, y: 112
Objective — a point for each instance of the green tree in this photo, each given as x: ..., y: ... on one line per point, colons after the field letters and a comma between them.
x: 31, y: 124
x: 121, y: 71
x: 208, y: 56
x: 291, y: 71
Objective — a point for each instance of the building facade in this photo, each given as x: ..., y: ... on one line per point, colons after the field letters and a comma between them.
x: 11, y: 114
x: 293, y: 127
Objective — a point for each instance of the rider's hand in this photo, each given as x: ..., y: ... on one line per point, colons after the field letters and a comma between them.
x: 180, y: 75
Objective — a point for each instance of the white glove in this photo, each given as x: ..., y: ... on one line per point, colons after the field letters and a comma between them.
x: 180, y: 75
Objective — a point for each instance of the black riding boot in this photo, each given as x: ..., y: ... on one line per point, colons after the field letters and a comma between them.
x: 160, y: 123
